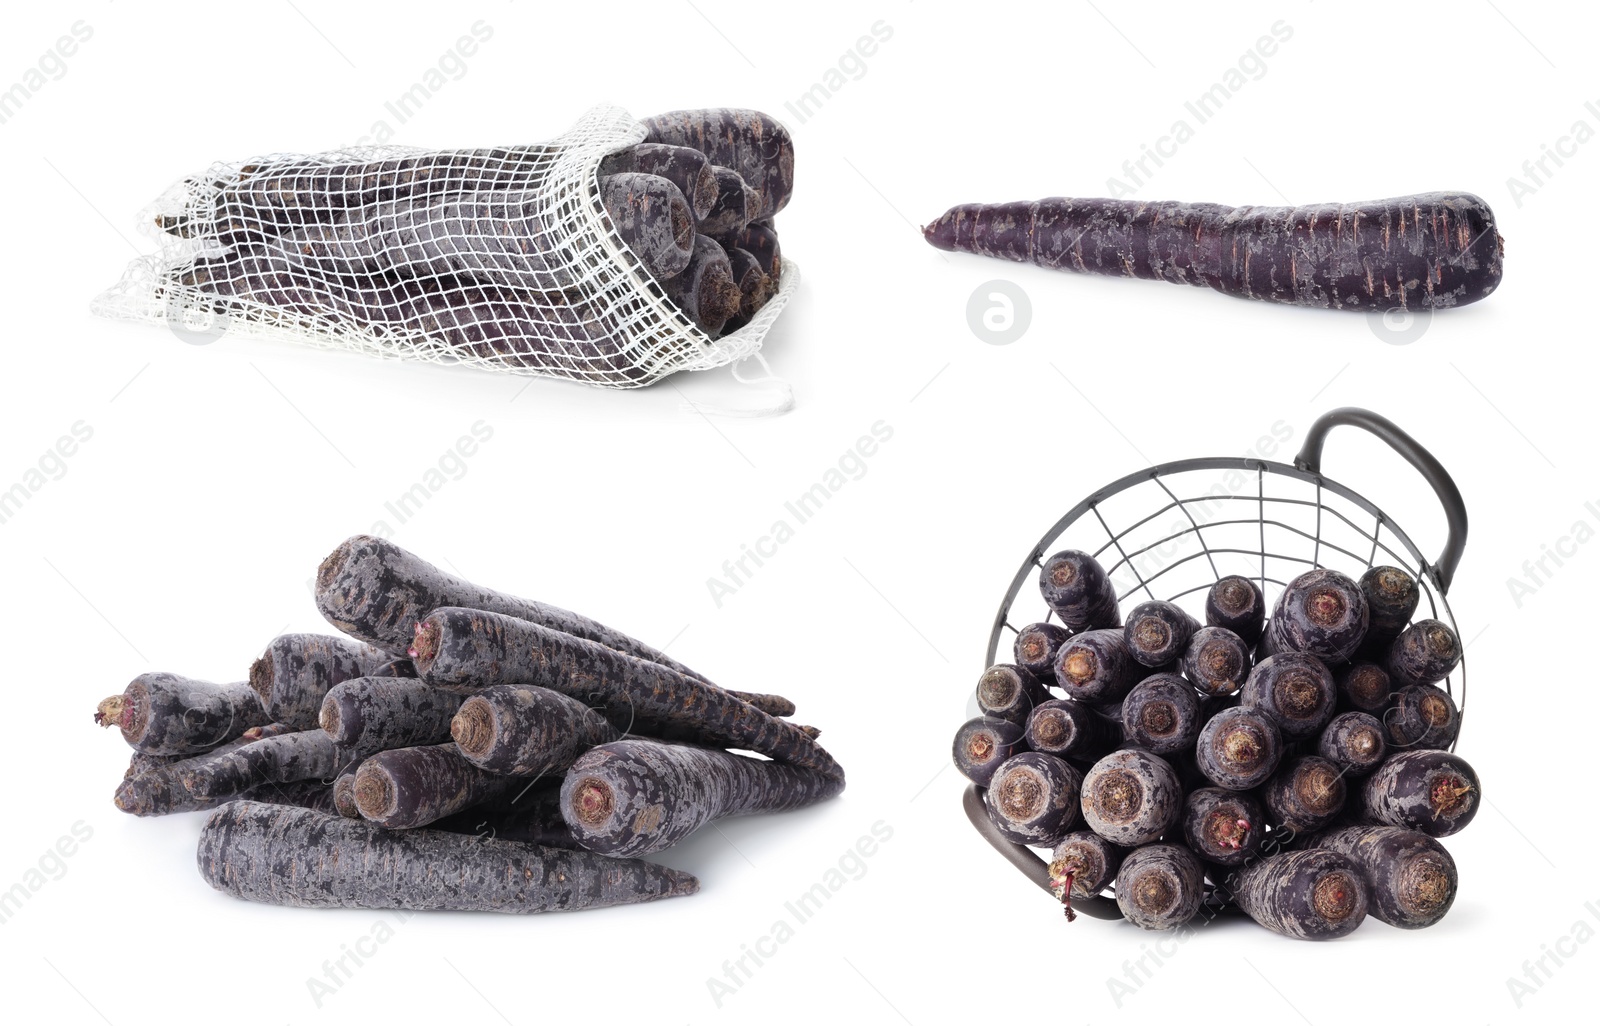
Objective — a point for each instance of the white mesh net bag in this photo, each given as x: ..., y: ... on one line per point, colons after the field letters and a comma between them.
x: 497, y: 258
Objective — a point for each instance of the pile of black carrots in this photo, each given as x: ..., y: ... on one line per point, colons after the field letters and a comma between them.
x: 1296, y: 768
x: 457, y: 748
x: 454, y: 245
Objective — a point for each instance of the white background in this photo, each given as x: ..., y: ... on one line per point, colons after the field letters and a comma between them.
x: 183, y: 534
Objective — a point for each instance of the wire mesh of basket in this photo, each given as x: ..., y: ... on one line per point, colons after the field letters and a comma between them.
x: 1173, y: 530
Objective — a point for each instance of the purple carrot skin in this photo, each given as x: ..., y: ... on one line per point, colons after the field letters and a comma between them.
x: 653, y: 219
x: 1392, y: 595
x: 1216, y: 661
x: 530, y: 814
x: 982, y: 744
x: 1064, y: 728
x: 301, y: 755
x: 284, y: 856
x: 749, y: 142
x: 371, y: 714
x: 525, y: 731
x: 1009, y: 692
x: 1353, y: 741
x: 1363, y: 687
x: 1036, y: 646
x: 755, y: 287
x: 159, y: 790
x: 1321, y: 613
x: 1235, y: 603
x: 1223, y: 827
x: 1426, y: 251
x: 294, y: 674
x: 401, y: 667
x: 1433, y: 791
x: 1411, y: 879
x: 1422, y: 716
x: 1095, y: 666
x: 1317, y: 894
x: 1083, y: 865
x: 772, y: 705
x: 1160, y: 886
x: 1305, y: 794
x: 1076, y: 587
x: 1295, y: 690
x: 1238, y: 748
x: 1033, y: 798
x: 465, y: 646
x: 165, y: 714
x: 760, y: 240
x: 683, y: 166
x: 1158, y: 632
x: 411, y: 787
x: 344, y: 793
x: 637, y: 796
x: 1425, y: 653
x: 1131, y: 797
x: 1162, y: 715
x: 705, y: 289
x: 376, y: 591
x: 735, y: 207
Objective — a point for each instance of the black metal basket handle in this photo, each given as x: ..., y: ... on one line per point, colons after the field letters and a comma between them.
x: 1432, y: 471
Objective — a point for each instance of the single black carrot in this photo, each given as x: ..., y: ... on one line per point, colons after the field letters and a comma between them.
x: 1423, y: 716
x: 1095, y: 666
x: 1035, y: 648
x: 165, y: 714
x: 1295, y: 690
x: 1160, y: 886
x: 1131, y: 797
x: 749, y: 142
x: 299, y: 755
x: 1033, y: 798
x: 295, y: 672
x: 160, y: 790
x: 1217, y: 661
x: 1353, y: 741
x: 524, y: 731
x: 683, y: 166
x: 1157, y: 632
x: 1009, y: 692
x: 1431, y: 250
x: 1238, y: 748
x: 1076, y: 588
x: 1321, y: 613
x: 1433, y: 791
x: 637, y: 796
x: 1223, y: 827
x: 1305, y: 794
x: 1316, y: 894
x: 1424, y: 653
x: 1392, y: 596
x: 705, y: 289
x: 285, y: 856
x: 1162, y: 714
x: 1067, y: 728
x: 375, y: 590
x: 982, y: 744
x: 1411, y: 879
x: 371, y: 714
x: 755, y: 286
x: 1363, y: 687
x: 465, y: 646
x: 1235, y: 603
x: 652, y: 218
x: 1083, y: 865
x: 412, y: 787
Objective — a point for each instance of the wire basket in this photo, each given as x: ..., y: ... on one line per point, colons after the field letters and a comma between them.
x: 1187, y: 524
